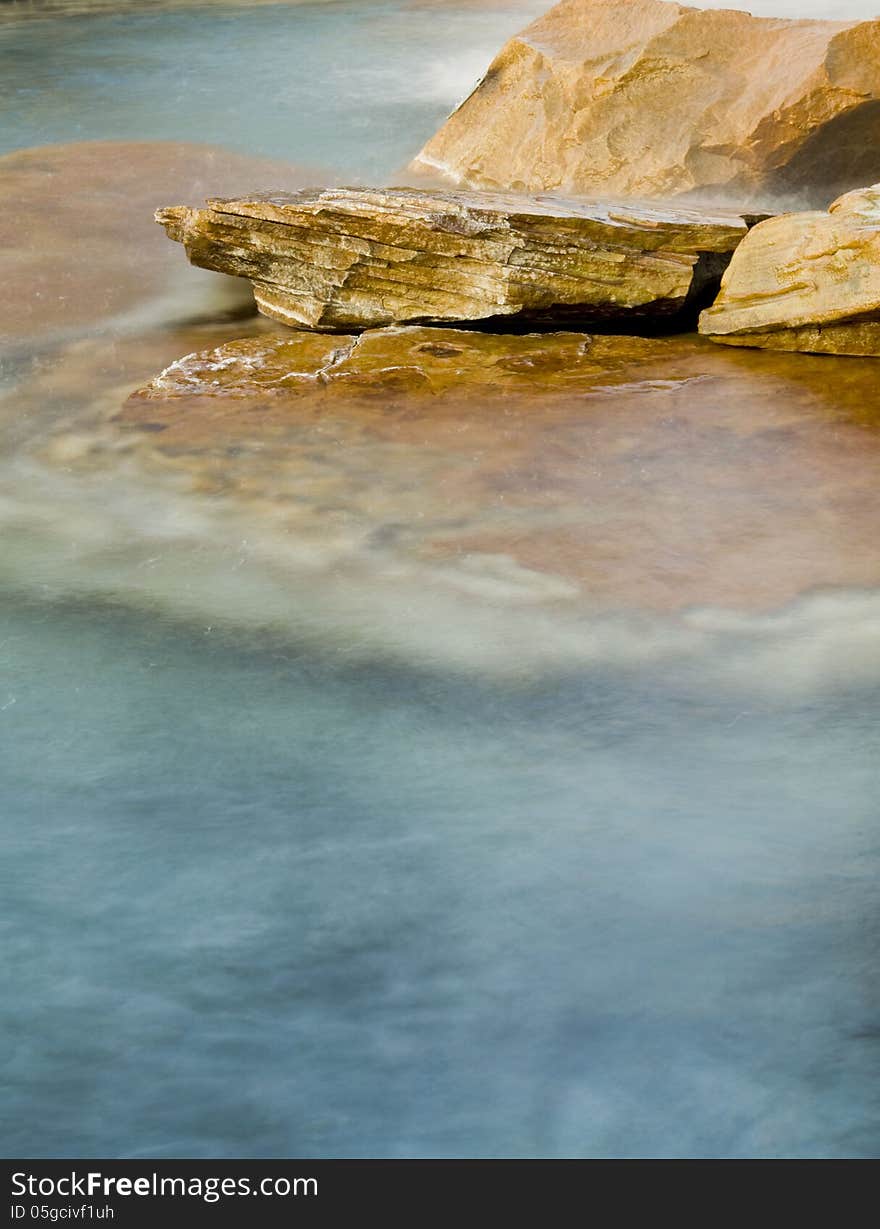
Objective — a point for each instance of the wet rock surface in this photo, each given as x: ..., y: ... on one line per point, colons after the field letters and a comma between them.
x: 677, y: 477
x: 806, y: 281
x: 359, y: 258
x: 648, y: 98
x: 402, y: 360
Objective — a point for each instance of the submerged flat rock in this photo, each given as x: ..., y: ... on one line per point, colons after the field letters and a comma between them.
x: 346, y: 258
x: 401, y: 359
x: 649, y: 98
x: 669, y: 480
x: 806, y: 281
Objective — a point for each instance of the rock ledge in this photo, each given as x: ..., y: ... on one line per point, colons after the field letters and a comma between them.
x: 357, y: 258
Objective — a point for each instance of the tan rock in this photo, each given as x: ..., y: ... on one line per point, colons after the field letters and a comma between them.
x: 403, y: 359
x: 355, y: 258
x: 806, y: 281
x: 862, y: 339
x: 646, y: 98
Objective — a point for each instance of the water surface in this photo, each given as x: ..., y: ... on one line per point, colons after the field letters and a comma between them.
x: 353, y: 86
x: 462, y: 778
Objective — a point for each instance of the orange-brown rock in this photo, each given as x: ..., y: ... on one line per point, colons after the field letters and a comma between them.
x: 646, y: 98
x: 655, y: 474
x: 806, y: 281
x: 670, y: 478
x: 348, y: 258
x: 403, y: 359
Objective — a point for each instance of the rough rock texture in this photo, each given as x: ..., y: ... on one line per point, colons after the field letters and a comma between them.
x: 402, y: 359
x: 647, y: 98
x: 806, y: 281
x: 356, y: 258
x: 858, y: 338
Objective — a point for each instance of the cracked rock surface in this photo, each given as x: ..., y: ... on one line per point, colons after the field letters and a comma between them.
x: 346, y: 258
x: 647, y: 98
x: 401, y: 360
x: 806, y: 281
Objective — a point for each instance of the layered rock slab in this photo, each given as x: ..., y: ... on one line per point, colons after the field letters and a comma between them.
x: 355, y: 258
x: 401, y: 360
x: 646, y: 98
x: 806, y: 281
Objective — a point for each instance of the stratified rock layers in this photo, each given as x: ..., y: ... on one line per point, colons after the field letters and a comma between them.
x: 806, y: 281
x: 645, y: 98
x: 404, y: 360
x: 356, y: 259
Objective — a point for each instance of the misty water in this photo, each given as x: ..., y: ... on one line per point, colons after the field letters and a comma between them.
x: 490, y: 784
x: 351, y: 86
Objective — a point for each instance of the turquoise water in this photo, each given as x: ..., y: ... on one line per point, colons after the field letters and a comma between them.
x: 356, y: 87
x: 276, y: 906
x: 308, y: 852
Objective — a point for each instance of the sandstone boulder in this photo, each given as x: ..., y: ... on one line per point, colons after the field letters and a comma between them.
x: 806, y: 281
x: 645, y: 98
x: 355, y: 258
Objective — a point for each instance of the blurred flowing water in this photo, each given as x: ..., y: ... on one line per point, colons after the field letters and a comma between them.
x: 482, y: 781
x: 349, y: 85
